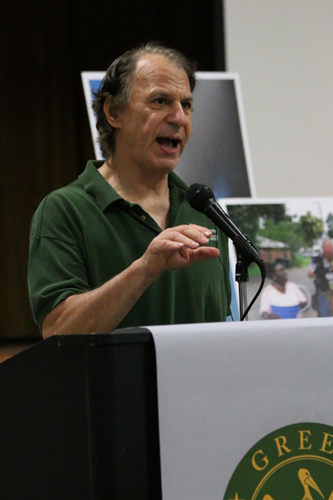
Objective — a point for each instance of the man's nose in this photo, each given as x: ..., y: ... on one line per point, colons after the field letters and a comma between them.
x: 177, y: 114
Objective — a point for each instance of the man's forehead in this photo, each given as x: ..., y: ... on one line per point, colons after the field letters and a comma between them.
x: 157, y: 68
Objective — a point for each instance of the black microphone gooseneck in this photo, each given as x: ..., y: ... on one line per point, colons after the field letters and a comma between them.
x: 202, y: 199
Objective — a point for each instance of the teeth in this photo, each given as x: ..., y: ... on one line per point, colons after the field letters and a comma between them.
x: 168, y: 142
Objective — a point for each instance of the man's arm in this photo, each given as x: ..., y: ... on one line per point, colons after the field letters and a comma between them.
x: 312, y: 267
x: 102, y: 309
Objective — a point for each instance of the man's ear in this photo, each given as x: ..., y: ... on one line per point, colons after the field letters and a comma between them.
x: 111, y: 116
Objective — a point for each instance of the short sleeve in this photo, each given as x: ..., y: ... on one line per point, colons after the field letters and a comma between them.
x: 56, y: 267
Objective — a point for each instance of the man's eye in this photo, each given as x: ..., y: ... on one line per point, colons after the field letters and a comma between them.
x: 160, y: 100
x: 187, y: 105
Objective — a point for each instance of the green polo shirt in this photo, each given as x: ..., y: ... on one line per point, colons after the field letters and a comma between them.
x: 84, y: 234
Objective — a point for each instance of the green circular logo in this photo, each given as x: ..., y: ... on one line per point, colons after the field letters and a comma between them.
x: 291, y: 463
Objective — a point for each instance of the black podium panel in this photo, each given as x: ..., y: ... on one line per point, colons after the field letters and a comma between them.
x: 79, y: 419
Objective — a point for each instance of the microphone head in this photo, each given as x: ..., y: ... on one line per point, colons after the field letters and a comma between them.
x: 199, y: 196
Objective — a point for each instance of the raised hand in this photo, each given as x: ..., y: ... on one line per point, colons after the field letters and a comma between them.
x: 177, y: 247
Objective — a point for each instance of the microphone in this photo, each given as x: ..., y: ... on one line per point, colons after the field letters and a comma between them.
x: 202, y: 199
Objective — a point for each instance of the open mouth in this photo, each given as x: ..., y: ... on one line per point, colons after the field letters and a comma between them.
x: 168, y: 142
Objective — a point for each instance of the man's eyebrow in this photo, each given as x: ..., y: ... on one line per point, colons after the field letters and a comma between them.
x: 160, y: 93
x: 167, y: 94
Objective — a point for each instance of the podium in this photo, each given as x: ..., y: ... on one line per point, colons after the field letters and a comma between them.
x: 79, y: 419
x: 236, y: 407
x: 229, y: 393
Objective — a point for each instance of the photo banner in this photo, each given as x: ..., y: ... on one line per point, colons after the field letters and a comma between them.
x: 288, y: 232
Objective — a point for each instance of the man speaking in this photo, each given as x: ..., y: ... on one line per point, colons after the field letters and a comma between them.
x: 121, y: 246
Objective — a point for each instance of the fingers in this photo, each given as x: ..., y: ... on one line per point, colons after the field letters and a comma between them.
x: 192, y: 236
x: 177, y: 247
x: 204, y: 253
x: 166, y: 255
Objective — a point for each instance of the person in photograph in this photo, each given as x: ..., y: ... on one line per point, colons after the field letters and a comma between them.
x: 121, y: 246
x: 321, y: 270
x: 282, y: 299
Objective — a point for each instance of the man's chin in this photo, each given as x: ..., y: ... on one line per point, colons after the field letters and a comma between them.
x: 168, y: 167
x: 166, y: 164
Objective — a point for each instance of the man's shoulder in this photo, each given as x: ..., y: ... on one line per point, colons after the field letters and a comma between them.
x: 62, y: 197
x: 71, y: 194
x: 58, y: 208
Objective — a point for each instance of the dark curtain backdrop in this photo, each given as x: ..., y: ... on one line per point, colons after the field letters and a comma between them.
x: 45, y: 137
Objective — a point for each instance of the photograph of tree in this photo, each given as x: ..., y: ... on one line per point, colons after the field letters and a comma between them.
x: 294, y: 239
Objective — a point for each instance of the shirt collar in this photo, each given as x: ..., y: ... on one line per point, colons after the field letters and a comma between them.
x: 104, y: 194
x: 95, y: 185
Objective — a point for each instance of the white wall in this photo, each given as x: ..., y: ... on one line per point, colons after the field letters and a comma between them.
x: 283, y: 52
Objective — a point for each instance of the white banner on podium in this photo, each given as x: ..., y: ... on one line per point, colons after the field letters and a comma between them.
x: 240, y: 404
